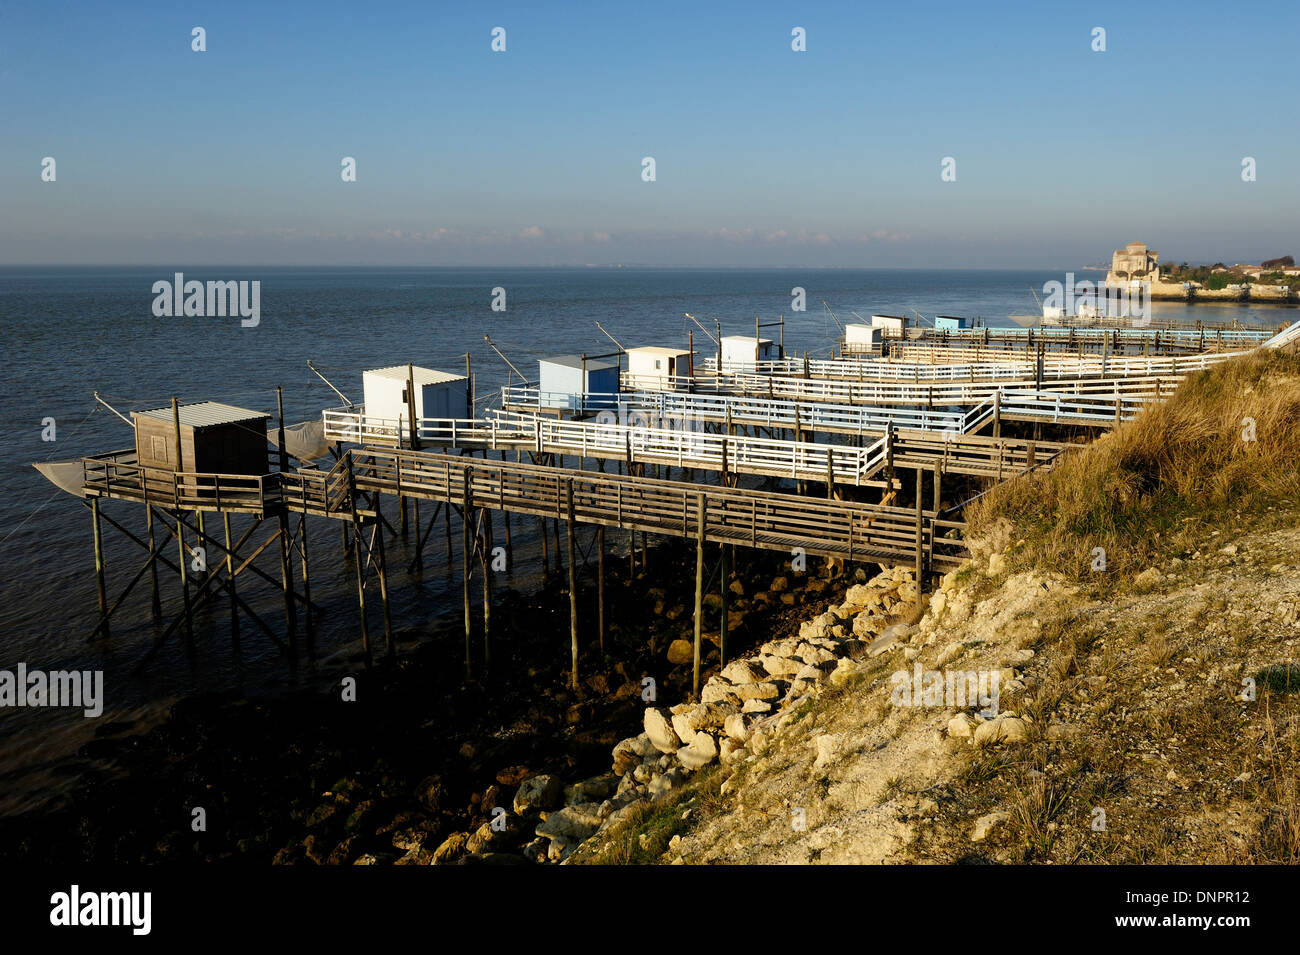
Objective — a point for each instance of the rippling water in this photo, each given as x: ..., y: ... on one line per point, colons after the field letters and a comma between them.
x: 70, y: 332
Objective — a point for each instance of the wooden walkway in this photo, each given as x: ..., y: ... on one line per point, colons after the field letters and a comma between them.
x: 648, y: 441
x: 998, y: 365
x: 761, y: 519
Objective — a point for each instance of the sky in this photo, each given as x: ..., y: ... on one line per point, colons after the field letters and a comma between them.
x: 763, y: 156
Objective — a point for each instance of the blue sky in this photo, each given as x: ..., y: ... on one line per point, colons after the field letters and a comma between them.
x: 764, y: 156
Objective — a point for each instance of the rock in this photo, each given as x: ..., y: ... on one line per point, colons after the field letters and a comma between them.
x: 743, y: 671
x: 868, y: 625
x: 985, y: 825
x: 539, y: 792
x: 730, y: 750
x: 513, y: 775
x: 737, y: 588
x: 780, y: 666
x: 961, y: 726
x: 843, y: 672
x: 684, y: 726
x: 572, y: 823
x: 736, y: 727
x: 756, y: 706
x: 789, y: 599
x: 430, y: 793
x: 1013, y: 729
x: 452, y: 848
x: 596, y: 789
x: 626, y: 756
x: 997, y: 565
x: 681, y: 652
x: 811, y: 674
x: 813, y: 655
x: 660, y: 732
x: 716, y: 691
x: 780, y: 584
x: 700, y: 752
x: 486, y: 838
x: 827, y: 746
x: 1230, y: 550
x: 758, y: 691
x: 559, y: 849
x: 938, y: 604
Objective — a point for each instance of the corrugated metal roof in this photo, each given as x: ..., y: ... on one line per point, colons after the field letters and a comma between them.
x: 205, y: 414
x: 423, y: 376
x: 575, y: 361
x: 745, y: 338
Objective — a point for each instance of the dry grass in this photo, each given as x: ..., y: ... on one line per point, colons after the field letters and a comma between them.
x: 1157, y: 483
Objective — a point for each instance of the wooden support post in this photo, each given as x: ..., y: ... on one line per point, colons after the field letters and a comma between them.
x: 99, y: 565
x: 505, y: 517
x: 546, y: 551
x: 699, y: 591
x: 446, y: 526
x: 919, y: 534
x: 155, y: 601
x: 356, y: 561
x: 468, y: 557
x: 230, y: 582
x: 487, y: 591
x: 600, y: 586
x: 381, y: 565
x: 184, y: 572
x: 726, y: 590
x: 631, y: 555
x: 559, y: 568
x: 573, y: 584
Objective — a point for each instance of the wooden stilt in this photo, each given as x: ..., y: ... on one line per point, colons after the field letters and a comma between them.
x: 726, y: 591
x: 699, y: 591
x: 487, y: 592
x: 600, y: 586
x: 546, y: 554
x: 468, y: 556
x: 919, y: 532
x: 99, y: 565
x: 230, y: 582
x: 356, y: 562
x: 573, y: 585
x: 559, y: 567
x: 155, y: 600
x: 381, y: 566
x: 446, y: 524
x: 184, y: 572
x: 631, y: 555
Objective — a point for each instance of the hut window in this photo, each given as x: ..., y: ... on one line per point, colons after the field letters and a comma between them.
x: 158, y: 448
x: 404, y: 398
x: 658, y: 363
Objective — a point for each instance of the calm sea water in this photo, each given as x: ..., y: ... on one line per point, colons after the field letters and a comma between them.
x: 70, y: 332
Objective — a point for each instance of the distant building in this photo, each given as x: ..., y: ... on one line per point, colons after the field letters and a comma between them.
x: 1133, y: 263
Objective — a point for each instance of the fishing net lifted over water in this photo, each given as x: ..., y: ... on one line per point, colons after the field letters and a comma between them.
x: 65, y: 475
x: 305, y: 441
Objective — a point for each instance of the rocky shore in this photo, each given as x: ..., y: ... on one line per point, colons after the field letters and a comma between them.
x: 422, y: 765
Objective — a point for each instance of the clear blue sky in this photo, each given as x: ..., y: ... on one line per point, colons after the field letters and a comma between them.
x: 533, y: 156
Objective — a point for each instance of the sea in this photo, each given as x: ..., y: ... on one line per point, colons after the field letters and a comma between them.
x: 72, y: 332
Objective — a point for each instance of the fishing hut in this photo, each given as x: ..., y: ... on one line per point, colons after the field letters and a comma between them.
x: 748, y: 349
x: 568, y: 382
x: 863, y: 339
x: 394, y: 396
x: 949, y: 323
x: 205, y: 437
x: 655, y: 367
